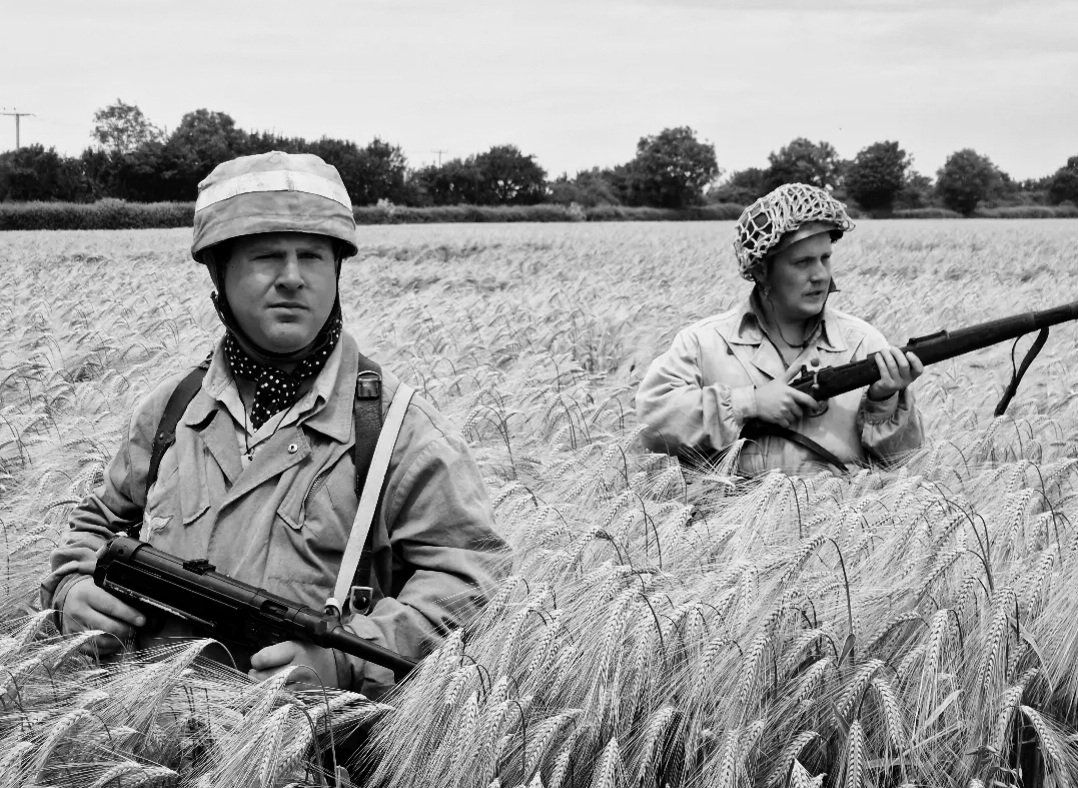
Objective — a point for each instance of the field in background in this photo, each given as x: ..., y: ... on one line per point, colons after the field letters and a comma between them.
x: 913, y: 626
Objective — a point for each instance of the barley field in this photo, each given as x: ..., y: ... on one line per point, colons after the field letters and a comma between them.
x: 914, y: 626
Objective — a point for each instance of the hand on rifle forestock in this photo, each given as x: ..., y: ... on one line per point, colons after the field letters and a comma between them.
x: 779, y: 403
x: 897, y: 371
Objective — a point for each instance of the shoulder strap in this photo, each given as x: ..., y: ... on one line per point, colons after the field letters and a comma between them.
x: 178, y: 401
x: 368, y: 416
x: 758, y: 429
x: 354, y: 552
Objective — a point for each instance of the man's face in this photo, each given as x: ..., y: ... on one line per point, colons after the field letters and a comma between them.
x: 799, y: 278
x: 281, y: 288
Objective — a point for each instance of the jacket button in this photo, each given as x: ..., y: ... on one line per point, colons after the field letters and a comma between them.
x: 292, y: 448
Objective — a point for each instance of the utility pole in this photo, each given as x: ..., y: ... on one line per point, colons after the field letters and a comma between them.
x: 17, y: 116
x: 439, y: 152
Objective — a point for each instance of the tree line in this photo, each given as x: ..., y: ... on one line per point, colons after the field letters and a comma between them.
x: 132, y: 159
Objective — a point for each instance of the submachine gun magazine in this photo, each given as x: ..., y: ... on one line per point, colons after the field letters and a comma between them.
x: 940, y: 346
x: 219, y: 607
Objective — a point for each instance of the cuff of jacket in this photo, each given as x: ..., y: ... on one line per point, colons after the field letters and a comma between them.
x: 743, y: 402
x: 879, y: 411
x: 59, y: 595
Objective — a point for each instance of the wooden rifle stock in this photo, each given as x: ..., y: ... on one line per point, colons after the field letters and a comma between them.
x: 830, y: 381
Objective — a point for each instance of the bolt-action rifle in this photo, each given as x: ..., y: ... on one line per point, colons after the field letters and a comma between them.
x: 227, y: 610
x: 824, y: 383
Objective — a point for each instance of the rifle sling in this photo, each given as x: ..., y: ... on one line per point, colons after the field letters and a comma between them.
x: 1016, y: 378
x: 758, y: 429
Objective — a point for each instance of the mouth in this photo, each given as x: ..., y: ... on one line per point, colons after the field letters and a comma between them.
x: 287, y: 305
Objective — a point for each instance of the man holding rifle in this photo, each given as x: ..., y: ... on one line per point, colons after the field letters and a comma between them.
x: 260, y: 475
x: 728, y: 376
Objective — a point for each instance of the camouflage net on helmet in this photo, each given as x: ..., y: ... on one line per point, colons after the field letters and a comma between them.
x: 791, y: 205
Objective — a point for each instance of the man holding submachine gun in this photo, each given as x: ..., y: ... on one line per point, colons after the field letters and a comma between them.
x: 291, y: 498
x: 806, y: 386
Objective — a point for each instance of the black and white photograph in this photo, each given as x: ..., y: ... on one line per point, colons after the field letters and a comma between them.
x: 511, y: 394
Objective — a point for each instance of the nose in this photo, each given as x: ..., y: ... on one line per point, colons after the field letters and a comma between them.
x: 819, y: 271
x: 289, y: 275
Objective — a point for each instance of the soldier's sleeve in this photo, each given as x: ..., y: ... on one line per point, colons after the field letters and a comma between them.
x: 890, y: 429
x: 114, y: 505
x: 680, y: 412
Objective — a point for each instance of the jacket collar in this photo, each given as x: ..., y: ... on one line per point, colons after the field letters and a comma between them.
x: 749, y: 328
x: 330, y: 414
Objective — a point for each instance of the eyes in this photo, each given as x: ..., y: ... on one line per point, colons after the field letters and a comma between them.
x: 310, y: 255
x: 808, y: 262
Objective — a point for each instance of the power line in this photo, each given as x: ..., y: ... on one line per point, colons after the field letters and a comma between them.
x: 17, y: 116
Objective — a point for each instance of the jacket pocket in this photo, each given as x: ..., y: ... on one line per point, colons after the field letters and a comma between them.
x: 177, y: 497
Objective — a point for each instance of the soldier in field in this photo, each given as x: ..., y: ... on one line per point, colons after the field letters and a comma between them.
x: 727, y: 376
x: 261, y: 478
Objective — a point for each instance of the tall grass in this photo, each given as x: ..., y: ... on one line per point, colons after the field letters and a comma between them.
x: 911, y: 626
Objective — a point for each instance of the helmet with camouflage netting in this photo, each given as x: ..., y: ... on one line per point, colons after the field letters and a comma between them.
x: 784, y: 216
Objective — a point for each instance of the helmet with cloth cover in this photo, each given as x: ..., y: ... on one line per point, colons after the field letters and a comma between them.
x: 273, y: 192
x: 784, y: 216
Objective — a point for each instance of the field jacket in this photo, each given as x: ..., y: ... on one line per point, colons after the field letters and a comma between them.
x: 695, y: 397
x: 281, y: 520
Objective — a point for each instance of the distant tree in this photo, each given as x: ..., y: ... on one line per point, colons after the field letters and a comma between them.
x: 370, y: 174
x: 454, y: 182
x: 508, y: 177
x: 916, y: 192
x: 203, y: 140
x: 965, y: 179
x: 137, y: 175
x: 264, y: 142
x: 1063, y: 185
x: 671, y: 169
x: 588, y: 188
x: 501, y: 176
x: 742, y: 187
x: 36, y: 173
x: 385, y: 173
x: 121, y: 128
x: 876, y: 175
x: 803, y: 161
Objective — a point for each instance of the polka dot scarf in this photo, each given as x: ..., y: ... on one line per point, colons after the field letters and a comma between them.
x: 275, y: 389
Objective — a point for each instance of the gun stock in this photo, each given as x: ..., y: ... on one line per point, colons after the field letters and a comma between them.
x: 831, y: 381
x: 219, y: 607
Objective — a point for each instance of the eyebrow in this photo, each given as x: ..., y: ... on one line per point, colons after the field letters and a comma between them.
x: 260, y: 249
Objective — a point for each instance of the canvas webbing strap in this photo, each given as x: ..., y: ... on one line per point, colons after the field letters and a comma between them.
x: 369, y: 499
x: 177, y: 403
x: 758, y: 429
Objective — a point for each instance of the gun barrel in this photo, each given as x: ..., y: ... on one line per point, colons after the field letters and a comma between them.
x: 224, y: 608
x: 933, y: 348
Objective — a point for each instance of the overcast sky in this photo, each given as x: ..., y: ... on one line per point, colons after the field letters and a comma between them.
x: 573, y: 82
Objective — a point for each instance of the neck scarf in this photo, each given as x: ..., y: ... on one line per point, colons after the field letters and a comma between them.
x: 276, y: 389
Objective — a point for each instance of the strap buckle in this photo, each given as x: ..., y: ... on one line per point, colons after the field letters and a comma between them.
x: 368, y: 385
x: 359, y: 600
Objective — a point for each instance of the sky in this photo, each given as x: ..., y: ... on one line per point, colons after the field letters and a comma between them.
x: 575, y: 83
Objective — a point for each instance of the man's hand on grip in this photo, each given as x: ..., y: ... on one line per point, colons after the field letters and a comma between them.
x: 779, y: 403
x: 89, y: 607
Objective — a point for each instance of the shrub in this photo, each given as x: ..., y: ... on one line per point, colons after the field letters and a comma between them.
x: 1062, y: 211
x: 926, y: 213
x: 108, y: 214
